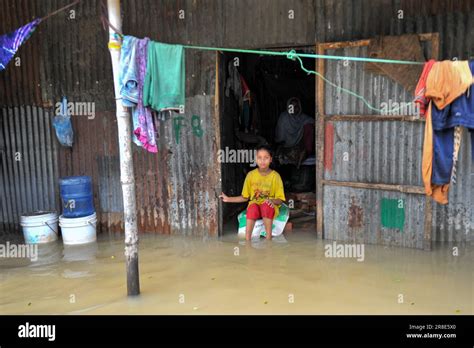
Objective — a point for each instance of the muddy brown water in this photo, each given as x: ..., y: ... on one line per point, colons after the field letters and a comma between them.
x: 187, y: 275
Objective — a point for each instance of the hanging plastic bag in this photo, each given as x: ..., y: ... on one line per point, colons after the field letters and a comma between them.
x: 62, y: 124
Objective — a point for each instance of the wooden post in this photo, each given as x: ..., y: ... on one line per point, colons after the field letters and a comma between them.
x: 127, y: 178
x: 320, y: 129
x: 427, y: 224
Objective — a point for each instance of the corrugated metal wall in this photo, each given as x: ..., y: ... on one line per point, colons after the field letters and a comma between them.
x: 389, y: 153
x: 69, y: 57
x: 176, y: 188
x: 354, y: 215
x: 352, y: 20
x: 28, y: 173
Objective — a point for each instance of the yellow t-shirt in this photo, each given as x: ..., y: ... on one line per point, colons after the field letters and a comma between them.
x: 257, y: 188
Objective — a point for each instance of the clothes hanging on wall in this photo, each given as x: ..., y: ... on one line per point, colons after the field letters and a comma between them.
x: 457, y: 146
x: 446, y: 81
x: 145, y: 132
x: 449, y: 89
x: 152, y: 76
x: 9, y: 43
x: 445, y: 121
x: 237, y: 88
x: 133, y: 64
x: 246, y: 112
x: 420, y: 89
x: 164, y: 87
x: 438, y: 192
x: 233, y: 83
x: 128, y: 75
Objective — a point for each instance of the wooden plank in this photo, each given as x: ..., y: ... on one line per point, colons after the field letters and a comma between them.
x: 343, y: 44
x: 217, y: 117
x: 427, y: 223
x: 435, y: 46
x: 366, y: 42
x: 428, y: 36
x: 376, y: 186
x: 320, y: 127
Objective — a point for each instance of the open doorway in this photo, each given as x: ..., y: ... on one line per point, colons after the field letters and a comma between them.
x: 256, y: 92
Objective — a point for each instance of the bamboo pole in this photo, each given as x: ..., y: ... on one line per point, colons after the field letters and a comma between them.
x: 127, y: 178
x: 376, y: 186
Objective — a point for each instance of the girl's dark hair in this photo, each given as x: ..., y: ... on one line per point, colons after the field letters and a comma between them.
x: 266, y: 148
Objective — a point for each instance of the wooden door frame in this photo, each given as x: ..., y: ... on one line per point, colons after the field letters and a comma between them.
x: 320, y: 124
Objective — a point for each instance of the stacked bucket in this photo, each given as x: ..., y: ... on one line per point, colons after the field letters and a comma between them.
x: 40, y: 227
x: 78, y: 221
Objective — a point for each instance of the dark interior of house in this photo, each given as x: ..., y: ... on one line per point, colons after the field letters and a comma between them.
x: 250, y: 113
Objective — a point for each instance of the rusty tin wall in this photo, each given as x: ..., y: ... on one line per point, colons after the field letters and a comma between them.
x: 383, y: 152
x: 373, y: 142
x: 175, y: 189
x: 28, y: 171
x: 69, y: 57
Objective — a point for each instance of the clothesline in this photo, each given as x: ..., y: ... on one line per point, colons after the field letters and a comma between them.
x: 292, y: 54
x: 297, y: 56
x: 11, y: 42
x: 60, y: 10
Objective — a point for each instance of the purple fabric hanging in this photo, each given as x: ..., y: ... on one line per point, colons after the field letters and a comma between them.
x: 133, y: 62
x: 9, y: 43
x: 145, y: 131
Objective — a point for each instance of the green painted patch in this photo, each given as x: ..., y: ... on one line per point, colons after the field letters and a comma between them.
x: 392, y: 213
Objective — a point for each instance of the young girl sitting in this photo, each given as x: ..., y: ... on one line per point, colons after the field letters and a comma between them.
x: 264, y: 188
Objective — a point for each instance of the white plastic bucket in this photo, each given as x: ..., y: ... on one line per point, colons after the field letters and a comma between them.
x: 78, y: 230
x: 39, y: 227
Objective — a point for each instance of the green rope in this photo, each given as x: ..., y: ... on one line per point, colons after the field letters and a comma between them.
x: 305, y: 55
x: 293, y: 56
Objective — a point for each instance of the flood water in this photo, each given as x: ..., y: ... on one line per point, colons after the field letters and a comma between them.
x: 186, y: 275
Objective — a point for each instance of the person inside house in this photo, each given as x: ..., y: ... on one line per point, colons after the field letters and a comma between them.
x: 294, y: 134
x: 263, y: 189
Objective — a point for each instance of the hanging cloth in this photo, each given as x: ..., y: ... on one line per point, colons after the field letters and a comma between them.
x: 131, y: 76
x: 450, y: 106
x: 164, y: 87
x: 10, y: 43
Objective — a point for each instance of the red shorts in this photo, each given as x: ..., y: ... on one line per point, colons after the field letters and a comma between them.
x: 256, y: 211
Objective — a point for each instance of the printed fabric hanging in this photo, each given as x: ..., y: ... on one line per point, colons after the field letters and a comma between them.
x: 9, y: 43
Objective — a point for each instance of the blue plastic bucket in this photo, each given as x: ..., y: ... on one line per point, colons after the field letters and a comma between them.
x: 76, y: 196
